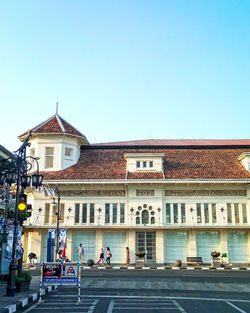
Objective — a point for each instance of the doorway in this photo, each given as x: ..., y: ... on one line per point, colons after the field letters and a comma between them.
x: 145, y: 242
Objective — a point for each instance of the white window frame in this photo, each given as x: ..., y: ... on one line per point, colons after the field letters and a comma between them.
x: 49, y: 155
x: 68, y: 157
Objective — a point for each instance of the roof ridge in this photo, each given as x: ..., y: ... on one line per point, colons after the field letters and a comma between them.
x: 58, y: 117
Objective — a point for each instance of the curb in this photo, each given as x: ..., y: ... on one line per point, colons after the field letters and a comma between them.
x: 22, y: 303
x: 166, y: 268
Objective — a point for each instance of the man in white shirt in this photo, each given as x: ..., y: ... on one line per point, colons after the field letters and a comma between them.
x: 80, y: 253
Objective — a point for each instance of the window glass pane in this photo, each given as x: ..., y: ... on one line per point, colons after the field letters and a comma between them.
x: 138, y: 220
x: 47, y: 213
x: 168, y: 217
x: 183, y: 213
x: 62, y: 213
x: 49, y: 157
x: 77, y: 206
x: 92, y: 213
x: 236, y: 213
x: 214, y: 216
x: 145, y: 217
x: 144, y: 164
x: 68, y: 152
x: 152, y: 220
x: 122, y: 213
x: 206, y: 212
x: 229, y: 213
x: 84, y: 213
x: 54, y: 214
x: 107, y: 213
x: 175, y: 212
x: 198, y: 209
x: 151, y: 164
x: 244, y: 212
x: 114, y: 212
x: 138, y: 164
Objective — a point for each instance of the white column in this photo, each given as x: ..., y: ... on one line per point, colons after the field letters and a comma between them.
x: 131, y: 243
x: 98, y: 243
x: 160, y: 247
x: 224, y: 244
x: 192, y: 243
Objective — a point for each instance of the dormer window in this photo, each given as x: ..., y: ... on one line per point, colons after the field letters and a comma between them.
x: 49, y: 157
x: 68, y: 153
x: 245, y: 160
x: 144, y: 162
x: 144, y: 165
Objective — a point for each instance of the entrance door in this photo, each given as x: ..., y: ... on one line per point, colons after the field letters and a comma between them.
x: 145, y: 242
x: 117, y: 243
x: 206, y: 242
x: 87, y: 239
x: 237, y: 247
x: 175, y: 246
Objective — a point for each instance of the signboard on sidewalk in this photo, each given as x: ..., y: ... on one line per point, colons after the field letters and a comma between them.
x: 61, y: 273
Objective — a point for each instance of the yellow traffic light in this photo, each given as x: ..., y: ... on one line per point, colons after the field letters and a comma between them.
x: 21, y: 206
x: 22, y: 202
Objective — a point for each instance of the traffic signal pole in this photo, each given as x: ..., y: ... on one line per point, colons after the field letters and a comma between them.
x: 11, y: 286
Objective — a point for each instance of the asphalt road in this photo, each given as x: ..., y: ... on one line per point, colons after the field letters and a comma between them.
x: 141, y: 291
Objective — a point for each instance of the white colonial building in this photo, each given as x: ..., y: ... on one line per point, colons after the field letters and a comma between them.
x: 170, y: 198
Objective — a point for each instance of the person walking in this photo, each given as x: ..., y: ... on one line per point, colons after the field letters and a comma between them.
x: 80, y: 253
x: 127, y: 256
x: 109, y: 255
x: 101, y: 257
x: 31, y: 257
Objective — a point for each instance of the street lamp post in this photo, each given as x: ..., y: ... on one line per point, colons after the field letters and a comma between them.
x: 15, y: 172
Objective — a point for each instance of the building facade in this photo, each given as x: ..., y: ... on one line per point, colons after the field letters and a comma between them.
x: 169, y: 198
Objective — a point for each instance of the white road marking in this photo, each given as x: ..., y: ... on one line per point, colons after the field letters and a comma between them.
x: 91, y: 309
x: 155, y: 297
x: 111, y: 305
x: 236, y: 308
x: 144, y: 304
x: 30, y: 308
x: 180, y: 308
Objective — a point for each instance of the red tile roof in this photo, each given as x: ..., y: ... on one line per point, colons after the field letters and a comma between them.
x: 178, y: 142
x: 55, y: 125
x: 180, y: 163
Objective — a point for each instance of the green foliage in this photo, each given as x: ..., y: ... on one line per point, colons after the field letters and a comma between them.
x: 25, y: 276
x: 224, y: 255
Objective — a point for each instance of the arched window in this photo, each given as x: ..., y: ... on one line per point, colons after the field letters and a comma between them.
x: 145, y: 217
x: 152, y: 220
x: 137, y: 220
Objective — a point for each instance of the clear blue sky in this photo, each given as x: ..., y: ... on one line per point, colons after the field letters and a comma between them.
x: 124, y: 70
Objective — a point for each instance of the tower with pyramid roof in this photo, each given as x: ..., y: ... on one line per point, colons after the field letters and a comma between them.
x: 56, y: 142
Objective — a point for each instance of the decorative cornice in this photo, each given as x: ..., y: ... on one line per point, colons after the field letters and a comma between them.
x: 146, y: 193
x: 93, y: 193
x: 194, y: 193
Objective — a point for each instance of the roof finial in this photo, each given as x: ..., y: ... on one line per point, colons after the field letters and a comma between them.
x: 57, y: 108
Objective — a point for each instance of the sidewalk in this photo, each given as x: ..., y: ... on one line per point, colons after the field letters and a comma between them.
x: 20, y: 300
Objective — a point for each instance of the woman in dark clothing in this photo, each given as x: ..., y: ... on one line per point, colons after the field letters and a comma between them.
x: 101, y: 256
x: 109, y: 255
